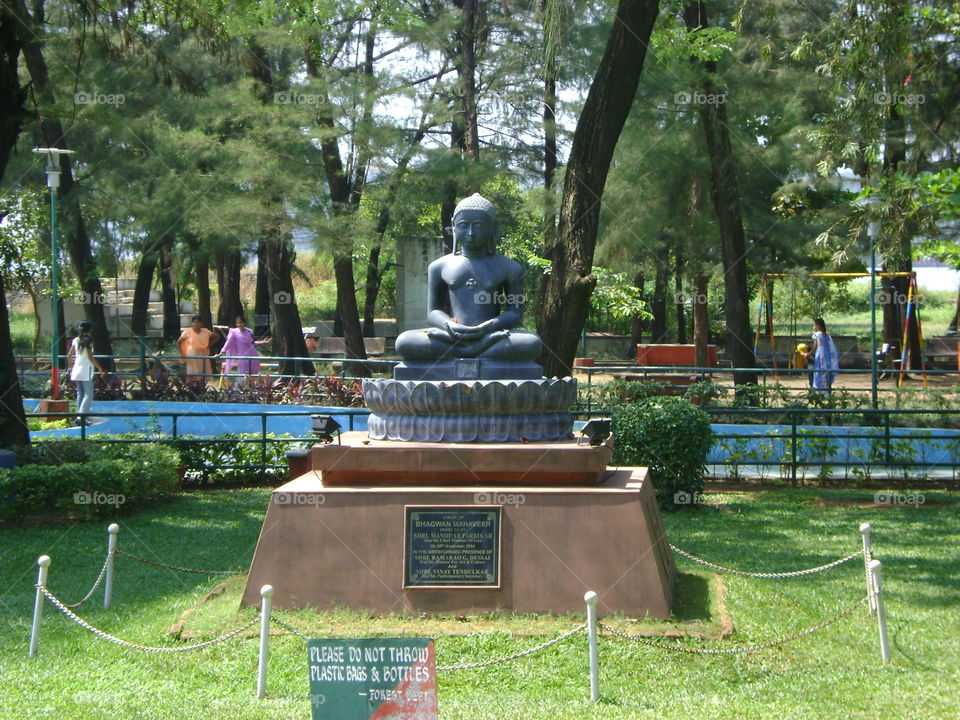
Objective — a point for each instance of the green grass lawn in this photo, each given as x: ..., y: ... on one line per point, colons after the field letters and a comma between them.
x: 835, y: 673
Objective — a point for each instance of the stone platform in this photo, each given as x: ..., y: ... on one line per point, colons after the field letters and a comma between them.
x: 361, y: 462
x: 327, y: 546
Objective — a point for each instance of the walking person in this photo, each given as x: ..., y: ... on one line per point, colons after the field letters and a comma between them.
x: 826, y: 359
x: 84, y: 362
x: 240, y: 350
x: 196, y: 347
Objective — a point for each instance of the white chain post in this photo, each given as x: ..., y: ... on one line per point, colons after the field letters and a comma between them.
x: 867, y: 557
x: 266, y: 599
x: 112, y: 530
x: 881, y: 615
x: 591, y: 599
x: 44, y: 562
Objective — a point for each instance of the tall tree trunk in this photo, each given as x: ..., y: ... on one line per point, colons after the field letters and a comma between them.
x: 636, y: 322
x: 726, y: 204
x: 62, y: 330
x: 288, y: 341
x: 467, y: 72
x: 374, y: 274
x: 352, y: 334
x: 449, y: 203
x: 13, y: 421
x: 952, y: 328
x: 75, y: 231
x: 34, y: 303
x: 168, y: 294
x: 262, y: 293
x: 141, y: 292
x: 344, y: 197
x: 201, y: 262
x: 658, y: 325
x: 566, y: 300
x: 678, y: 295
x: 549, y: 158
x: 229, y: 306
x: 371, y: 289
x: 337, y: 316
x: 701, y: 319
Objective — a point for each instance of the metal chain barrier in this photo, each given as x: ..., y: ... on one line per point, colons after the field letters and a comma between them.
x: 871, y: 583
x: 515, y: 656
x: 103, y: 572
x: 101, y: 634
x: 736, y: 651
x: 795, y: 573
x: 177, y: 567
x: 289, y: 628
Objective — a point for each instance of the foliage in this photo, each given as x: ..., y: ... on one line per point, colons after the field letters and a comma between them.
x: 670, y: 436
x: 232, y: 458
x: 86, y: 480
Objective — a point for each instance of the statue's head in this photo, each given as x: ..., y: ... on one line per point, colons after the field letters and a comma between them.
x: 475, y: 226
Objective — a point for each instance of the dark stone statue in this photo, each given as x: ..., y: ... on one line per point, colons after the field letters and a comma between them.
x: 483, y: 291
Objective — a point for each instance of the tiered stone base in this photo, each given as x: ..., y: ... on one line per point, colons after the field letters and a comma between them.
x: 327, y: 547
x: 470, y: 411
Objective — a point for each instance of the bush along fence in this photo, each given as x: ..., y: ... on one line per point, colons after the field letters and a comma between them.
x: 593, y: 626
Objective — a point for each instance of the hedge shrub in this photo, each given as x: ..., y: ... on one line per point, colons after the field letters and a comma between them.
x: 229, y: 458
x: 670, y: 436
x: 88, y: 480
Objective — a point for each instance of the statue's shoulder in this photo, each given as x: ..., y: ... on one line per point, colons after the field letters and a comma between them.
x: 442, y: 262
x: 510, y: 266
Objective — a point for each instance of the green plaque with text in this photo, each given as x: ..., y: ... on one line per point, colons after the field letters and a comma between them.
x: 372, y: 679
x: 452, y: 546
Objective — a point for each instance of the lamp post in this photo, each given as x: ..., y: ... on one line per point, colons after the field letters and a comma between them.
x: 53, y: 182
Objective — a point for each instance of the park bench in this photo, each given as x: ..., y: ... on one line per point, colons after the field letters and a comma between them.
x: 943, y: 350
x: 337, y: 346
x: 661, y: 355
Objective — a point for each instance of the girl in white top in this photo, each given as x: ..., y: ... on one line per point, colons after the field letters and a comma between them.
x: 81, y: 350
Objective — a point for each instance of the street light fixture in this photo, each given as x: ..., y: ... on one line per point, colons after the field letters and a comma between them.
x: 53, y: 182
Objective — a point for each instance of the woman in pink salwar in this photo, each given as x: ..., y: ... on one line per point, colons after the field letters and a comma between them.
x: 240, y: 344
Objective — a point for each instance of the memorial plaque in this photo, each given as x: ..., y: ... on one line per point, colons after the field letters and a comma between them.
x: 372, y: 679
x: 451, y: 546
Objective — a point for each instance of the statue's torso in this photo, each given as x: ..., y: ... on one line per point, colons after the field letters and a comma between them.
x: 475, y: 284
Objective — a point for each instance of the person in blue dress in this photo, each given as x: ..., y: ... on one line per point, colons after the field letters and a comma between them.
x: 826, y: 359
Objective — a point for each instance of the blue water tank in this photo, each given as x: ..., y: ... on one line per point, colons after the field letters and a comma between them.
x: 8, y: 459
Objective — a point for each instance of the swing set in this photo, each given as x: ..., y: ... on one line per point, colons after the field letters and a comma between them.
x: 795, y: 361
